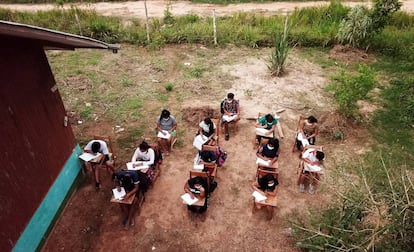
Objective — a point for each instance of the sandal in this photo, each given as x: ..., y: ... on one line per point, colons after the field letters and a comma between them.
x: 227, y: 137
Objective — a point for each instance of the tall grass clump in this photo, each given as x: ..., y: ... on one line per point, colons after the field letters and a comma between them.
x: 374, y: 214
x: 349, y: 88
x: 354, y: 30
x: 363, y: 23
x: 279, y: 55
x: 317, y: 26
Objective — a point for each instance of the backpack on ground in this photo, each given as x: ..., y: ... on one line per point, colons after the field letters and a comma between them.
x: 157, y: 154
x: 221, y: 156
x: 222, y: 106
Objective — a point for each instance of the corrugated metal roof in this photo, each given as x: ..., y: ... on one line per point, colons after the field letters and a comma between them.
x: 51, y: 39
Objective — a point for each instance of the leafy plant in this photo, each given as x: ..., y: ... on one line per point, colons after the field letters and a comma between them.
x: 169, y: 87
x: 348, y: 89
x: 354, y: 30
x: 280, y: 53
x: 196, y: 72
x: 381, y: 13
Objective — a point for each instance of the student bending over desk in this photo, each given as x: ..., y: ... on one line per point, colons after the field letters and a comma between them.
x: 130, y: 181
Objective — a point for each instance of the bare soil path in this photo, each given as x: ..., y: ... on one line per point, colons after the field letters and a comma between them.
x: 156, y: 8
x: 91, y: 223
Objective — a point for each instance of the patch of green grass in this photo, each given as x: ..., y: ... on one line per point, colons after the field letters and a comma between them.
x: 125, y: 82
x: 163, y: 97
x: 169, y: 87
x: 127, y: 109
x: 197, y: 72
x: 86, y: 113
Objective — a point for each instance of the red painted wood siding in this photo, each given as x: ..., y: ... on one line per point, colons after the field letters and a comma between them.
x: 34, y: 142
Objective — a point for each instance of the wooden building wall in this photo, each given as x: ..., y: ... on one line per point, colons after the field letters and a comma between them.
x: 34, y: 143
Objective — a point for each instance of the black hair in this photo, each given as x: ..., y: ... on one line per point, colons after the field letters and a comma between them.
x: 96, y: 146
x: 197, y: 180
x: 210, y: 124
x: 320, y: 155
x: 269, y: 177
x: 144, y: 146
x: 264, y: 181
x: 127, y: 183
x: 274, y: 142
x: 269, y: 118
x: 230, y: 95
x: 312, y: 119
x: 165, y: 113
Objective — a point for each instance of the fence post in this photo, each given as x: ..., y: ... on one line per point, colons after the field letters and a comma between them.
x: 146, y: 22
x: 214, y: 27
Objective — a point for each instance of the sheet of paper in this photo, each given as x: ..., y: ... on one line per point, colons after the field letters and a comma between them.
x: 198, y: 141
x: 312, y: 168
x: 166, y: 136
x: 301, y: 138
x: 228, y: 118
x: 119, y: 195
x: 188, y: 200
x: 263, y: 132
x: 199, y: 167
x: 131, y: 167
x: 260, y: 161
x: 258, y: 196
x: 89, y: 156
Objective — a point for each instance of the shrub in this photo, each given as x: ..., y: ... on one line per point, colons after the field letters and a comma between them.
x: 348, y: 89
x: 169, y: 87
x: 354, y: 30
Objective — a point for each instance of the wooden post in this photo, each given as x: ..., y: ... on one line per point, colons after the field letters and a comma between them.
x: 214, y: 27
x: 146, y: 22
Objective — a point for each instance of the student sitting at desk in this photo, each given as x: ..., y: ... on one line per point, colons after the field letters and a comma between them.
x: 95, y: 147
x: 267, y: 186
x: 312, y: 165
x: 267, y: 122
x: 197, y: 188
x: 143, y: 155
x: 208, y: 131
x: 269, y: 153
x: 130, y: 181
x: 231, y: 113
x: 166, y: 126
x: 307, y: 133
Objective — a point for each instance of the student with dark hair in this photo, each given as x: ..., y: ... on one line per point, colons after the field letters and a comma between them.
x: 267, y: 122
x: 143, y: 155
x: 267, y: 186
x: 269, y: 152
x: 312, y: 165
x: 166, y: 124
x: 197, y: 188
x: 309, y: 129
x: 131, y: 182
x: 207, y: 130
x: 94, y: 147
x: 231, y: 113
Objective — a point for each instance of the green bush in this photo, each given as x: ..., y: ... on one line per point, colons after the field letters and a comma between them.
x: 348, y: 89
x: 354, y: 30
x: 397, y: 43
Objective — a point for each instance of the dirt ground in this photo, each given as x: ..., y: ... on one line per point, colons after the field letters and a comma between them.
x: 91, y: 223
x: 136, y: 9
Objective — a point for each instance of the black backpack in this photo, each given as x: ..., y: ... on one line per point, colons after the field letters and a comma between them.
x: 207, y: 156
x: 222, y: 106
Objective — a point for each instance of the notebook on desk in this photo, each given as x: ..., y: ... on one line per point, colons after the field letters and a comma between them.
x: 89, y: 157
x: 161, y: 135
